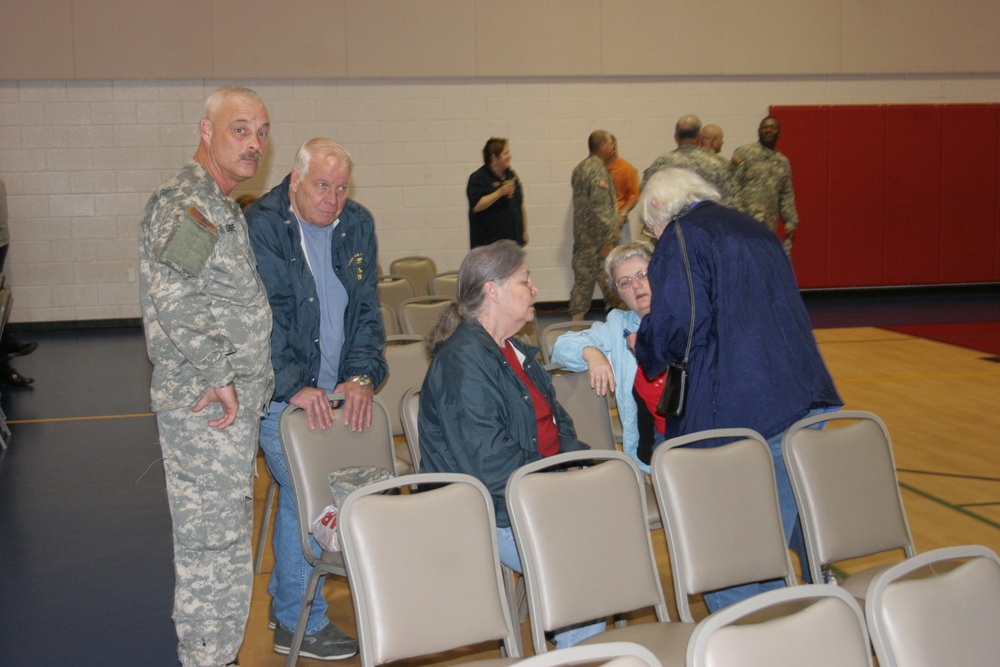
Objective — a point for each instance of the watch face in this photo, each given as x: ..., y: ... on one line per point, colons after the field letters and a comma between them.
x: 363, y: 380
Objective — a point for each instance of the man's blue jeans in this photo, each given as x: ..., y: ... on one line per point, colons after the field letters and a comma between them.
x: 291, y: 569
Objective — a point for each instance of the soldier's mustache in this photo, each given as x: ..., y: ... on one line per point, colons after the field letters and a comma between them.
x: 252, y: 155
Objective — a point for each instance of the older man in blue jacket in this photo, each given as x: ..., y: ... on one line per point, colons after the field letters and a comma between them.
x: 316, y: 255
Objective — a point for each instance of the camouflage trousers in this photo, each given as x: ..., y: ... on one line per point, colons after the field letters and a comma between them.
x: 588, y: 269
x: 210, y: 489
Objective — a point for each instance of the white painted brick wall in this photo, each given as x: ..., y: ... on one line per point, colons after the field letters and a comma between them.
x: 80, y: 158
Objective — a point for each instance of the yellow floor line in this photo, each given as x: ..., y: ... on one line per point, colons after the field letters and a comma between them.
x: 74, y: 419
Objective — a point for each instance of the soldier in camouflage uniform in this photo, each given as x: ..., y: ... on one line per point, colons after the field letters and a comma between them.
x: 688, y: 155
x: 764, y: 181
x: 595, y: 225
x: 208, y: 325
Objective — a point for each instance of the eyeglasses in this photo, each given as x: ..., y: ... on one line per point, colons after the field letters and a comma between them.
x: 626, y: 282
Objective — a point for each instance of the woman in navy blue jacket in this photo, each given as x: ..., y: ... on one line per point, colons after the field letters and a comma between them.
x: 753, y: 362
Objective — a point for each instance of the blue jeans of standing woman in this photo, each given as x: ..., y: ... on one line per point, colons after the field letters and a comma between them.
x: 510, y: 558
x: 789, y: 520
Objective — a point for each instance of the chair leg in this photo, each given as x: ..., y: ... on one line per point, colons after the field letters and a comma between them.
x: 517, y: 602
x: 265, y: 524
x: 315, y: 580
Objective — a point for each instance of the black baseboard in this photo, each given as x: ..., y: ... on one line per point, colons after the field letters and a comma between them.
x: 811, y: 296
x: 18, y: 328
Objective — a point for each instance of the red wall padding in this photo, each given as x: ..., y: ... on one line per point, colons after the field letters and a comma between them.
x: 894, y: 195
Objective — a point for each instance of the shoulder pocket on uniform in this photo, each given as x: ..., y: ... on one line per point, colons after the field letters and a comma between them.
x: 190, y: 244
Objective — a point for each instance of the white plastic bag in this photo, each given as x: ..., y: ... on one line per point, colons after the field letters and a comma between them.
x: 324, y: 529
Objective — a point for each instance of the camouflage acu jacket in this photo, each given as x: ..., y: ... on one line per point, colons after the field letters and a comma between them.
x: 701, y: 161
x: 595, y: 204
x: 764, y: 181
x: 205, y: 311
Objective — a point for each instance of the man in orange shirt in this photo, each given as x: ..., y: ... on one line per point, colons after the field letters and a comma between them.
x: 626, y: 179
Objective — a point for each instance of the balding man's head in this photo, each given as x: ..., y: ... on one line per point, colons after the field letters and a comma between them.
x: 711, y: 138
x: 687, y: 129
x: 599, y: 143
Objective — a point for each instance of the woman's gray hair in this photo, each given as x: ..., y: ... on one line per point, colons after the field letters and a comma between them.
x: 490, y: 263
x: 321, y: 146
x: 624, y: 252
x: 669, y: 191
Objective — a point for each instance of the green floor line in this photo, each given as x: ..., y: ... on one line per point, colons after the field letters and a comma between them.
x: 957, y: 508
x: 991, y: 504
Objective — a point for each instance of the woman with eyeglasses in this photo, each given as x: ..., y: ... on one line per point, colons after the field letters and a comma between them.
x: 605, y: 352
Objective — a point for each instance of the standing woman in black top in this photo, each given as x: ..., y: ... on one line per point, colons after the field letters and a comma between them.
x: 496, y: 200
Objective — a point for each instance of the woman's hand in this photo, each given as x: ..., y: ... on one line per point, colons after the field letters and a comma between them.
x: 602, y: 376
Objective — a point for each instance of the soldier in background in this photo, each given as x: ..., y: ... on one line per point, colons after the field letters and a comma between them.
x: 763, y: 178
x: 208, y: 326
x: 688, y: 155
x: 711, y: 138
x: 595, y: 224
x: 626, y: 179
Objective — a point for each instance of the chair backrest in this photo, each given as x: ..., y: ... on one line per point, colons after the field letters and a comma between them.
x: 720, y: 513
x: 609, y: 654
x: 407, y: 359
x: 409, y: 413
x: 845, y: 486
x: 444, y: 284
x: 420, y: 270
x: 583, y: 539
x: 424, y: 568
x: 590, y: 413
x: 940, y: 607
x: 312, y: 454
x: 394, y: 289
x: 389, y: 320
x: 553, y: 331
x: 417, y: 316
x: 815, y: 625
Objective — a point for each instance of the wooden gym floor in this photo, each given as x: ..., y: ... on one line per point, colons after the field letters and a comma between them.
x: 85, y: 564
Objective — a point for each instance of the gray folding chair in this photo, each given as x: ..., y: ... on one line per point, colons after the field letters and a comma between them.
x: 393, y: 289
x: 424, y: 568
x: 586, y: 552
x: 720, y: 513
x: 812, y: 625
x: 408, y: 363
x: 592, y: 420
x: 845, y: 485
x: 553, y: 331
x: 389, y: 320
x: 940, y: 607
x: 409, y: 413
x: 419, y: 315
x: 312, y: 454
x: 444, y: 284
x: 418, y: 268
x: 611, y: 654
